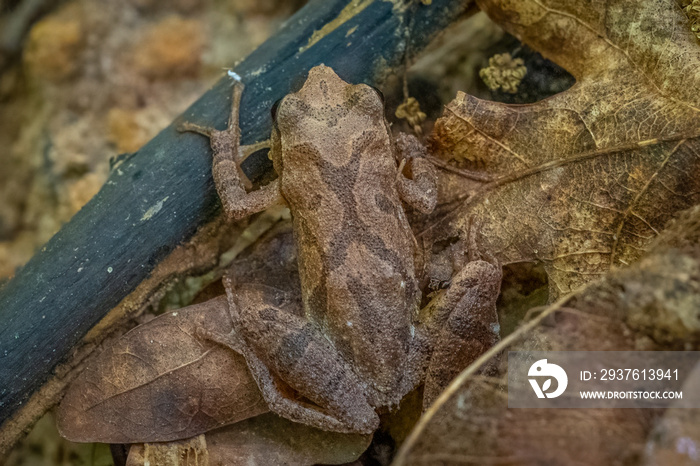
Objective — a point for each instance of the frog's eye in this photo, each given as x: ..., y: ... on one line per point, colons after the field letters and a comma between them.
x: 273, y: 110
x: 379, y: 93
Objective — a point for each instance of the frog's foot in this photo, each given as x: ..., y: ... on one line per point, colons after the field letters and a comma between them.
x: 467, y: 325
x: 416, y: 179
x: 298, y: 411
x: 225, y: 144
x: 189, y: 127
x: 231, y: 183
x: 246, y: 151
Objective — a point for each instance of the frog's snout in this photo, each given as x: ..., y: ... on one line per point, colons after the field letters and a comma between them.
x: 323, y: 82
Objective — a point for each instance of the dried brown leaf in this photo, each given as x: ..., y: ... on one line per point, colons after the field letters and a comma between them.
x: 651, y: 305
x: 161, y: 382
x: 583, y: 180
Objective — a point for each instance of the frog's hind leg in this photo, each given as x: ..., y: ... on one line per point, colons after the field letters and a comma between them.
x: 270, y: 387
x: 281, y: 346
x: 463, y: 324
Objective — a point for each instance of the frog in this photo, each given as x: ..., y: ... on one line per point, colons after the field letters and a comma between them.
x: 361, y: 341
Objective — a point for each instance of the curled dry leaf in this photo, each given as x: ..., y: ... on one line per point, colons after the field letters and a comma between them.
x: 263, y: 440
x: 270, y: 439
x: 585, y: 179
x: 163, y: 380
x: 652, y: 305
x: 190, y: 452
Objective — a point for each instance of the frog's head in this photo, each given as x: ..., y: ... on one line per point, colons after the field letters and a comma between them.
x: 327, y: 111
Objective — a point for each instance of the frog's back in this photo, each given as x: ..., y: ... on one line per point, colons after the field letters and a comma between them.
x: 356, y: 262
x: 338, y: 176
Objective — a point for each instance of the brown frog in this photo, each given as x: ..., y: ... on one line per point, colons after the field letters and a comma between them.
x: 361, y: 342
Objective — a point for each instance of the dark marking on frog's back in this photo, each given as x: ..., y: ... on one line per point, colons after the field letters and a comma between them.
x: 293, y: 346
x: 384, y: 204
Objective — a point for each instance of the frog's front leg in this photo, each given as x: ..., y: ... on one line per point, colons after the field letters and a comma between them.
x: 420, y: 189
x: 229, y: 179
x: 279, y: 345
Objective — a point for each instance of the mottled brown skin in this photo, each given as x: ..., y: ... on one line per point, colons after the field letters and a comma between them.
x: 355, y: 244
x: 359, y: 345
